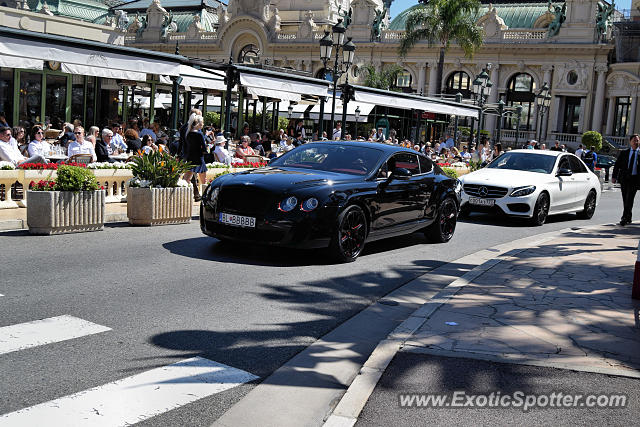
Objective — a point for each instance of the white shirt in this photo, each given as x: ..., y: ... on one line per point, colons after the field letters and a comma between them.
x: 337, y: 133
x: 117, y: 142
x: 632, y: 158
x: 10, y: 153
x: 81, y: 148
x: 222, y: 155
x: 38, y: 147
x: 465, y: 155
x: 579, y: 152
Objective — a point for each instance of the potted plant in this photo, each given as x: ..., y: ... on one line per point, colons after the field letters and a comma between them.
x: 72, y: 203
x: 156, y: 195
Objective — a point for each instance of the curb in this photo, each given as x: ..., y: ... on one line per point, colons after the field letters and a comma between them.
x: 113, y: 218
x: 346, y: 412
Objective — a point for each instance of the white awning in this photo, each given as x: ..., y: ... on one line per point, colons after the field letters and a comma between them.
x: 110, y: 73
x: 406, y: 103
x: 193, y: 77
x: 281, y: 88
x: 21, y: 62
x: 313, y: 113
x: 128, y: 66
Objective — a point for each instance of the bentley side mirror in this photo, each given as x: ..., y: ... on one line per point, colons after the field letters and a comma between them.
x: 564, y: 172
x: 401, y: 174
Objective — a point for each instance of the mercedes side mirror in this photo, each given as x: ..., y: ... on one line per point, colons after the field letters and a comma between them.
x: 401, y: 173
x: 564, y: 172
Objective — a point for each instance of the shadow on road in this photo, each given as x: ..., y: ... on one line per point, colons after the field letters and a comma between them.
x: 501, y: 220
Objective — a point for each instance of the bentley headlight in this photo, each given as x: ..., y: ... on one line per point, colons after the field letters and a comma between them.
x: 458, y: 186
x: 523, y: 191
x: 309, y: 204
x: 213, y: 196
x: 288, y: 204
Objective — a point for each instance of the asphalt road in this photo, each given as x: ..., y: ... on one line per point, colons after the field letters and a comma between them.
x: 170, y: 293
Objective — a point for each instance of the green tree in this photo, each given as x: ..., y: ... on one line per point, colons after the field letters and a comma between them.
x: 442, y: 22
x: 383, y: 79
x: 592, y: 139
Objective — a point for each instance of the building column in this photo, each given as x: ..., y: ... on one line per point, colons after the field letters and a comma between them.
x: 557, y: 118
x: 632, y: 115
x: 611, y: 116
x: 581, y: 122
x: 490, y: 121
x: 544, y: 124
x: 422, y: 68
x: 433, y: 77
x: 598, y: 104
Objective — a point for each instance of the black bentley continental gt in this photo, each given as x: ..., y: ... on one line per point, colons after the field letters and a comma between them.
x: 336, y: 195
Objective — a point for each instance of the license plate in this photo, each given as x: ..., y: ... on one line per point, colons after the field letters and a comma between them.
x: 237, y: 220
x: 481, y: 202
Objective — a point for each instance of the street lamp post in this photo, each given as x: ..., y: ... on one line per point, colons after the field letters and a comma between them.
x: 455, y: 126
x: 326, y: 48
x: 338, y: 32
x: 481, y: 90
x: 348, y: 53
x: 500, y: 116
x: 290, y: 110
x: 543, y: 102
x: 518, y: 114
x: 357, y: 115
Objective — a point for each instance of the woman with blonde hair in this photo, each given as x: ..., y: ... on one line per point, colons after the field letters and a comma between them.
x: 196, y: 147
x: 92, y: 136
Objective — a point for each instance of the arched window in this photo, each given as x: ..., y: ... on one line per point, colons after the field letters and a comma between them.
x: 325, y: 74
x: 459, y: 81
x: 250, y: 54
x: 403, y: 79
x: 521, y: 91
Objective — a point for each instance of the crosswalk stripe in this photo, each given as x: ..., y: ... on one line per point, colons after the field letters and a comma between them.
x: 136, y: 398
x: 45, y: 331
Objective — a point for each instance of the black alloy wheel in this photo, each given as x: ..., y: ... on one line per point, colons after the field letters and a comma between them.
x: 541, y: 210
x: 442, y: 229
x: 589, y: 206
x: 350, y: 234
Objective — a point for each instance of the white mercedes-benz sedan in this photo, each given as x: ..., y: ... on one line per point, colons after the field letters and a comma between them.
x: 532, y: 184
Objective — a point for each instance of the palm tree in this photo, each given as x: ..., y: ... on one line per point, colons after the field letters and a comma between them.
x: 442, y: 22
x: 383, y: 79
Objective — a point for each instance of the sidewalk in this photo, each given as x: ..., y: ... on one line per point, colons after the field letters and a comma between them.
x: 16, y: 219
x: 565, y: 304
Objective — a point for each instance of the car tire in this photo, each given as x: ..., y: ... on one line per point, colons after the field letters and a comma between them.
x: 541, y: 210
x: 589, y: 206
x: 349, y: 235
x: 444, y: 225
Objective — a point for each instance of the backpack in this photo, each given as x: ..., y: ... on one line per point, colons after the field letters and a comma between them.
x: 588, y: 157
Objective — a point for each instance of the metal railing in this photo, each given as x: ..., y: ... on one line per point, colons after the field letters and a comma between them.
x: 573, y: 138
x: 523, y: 35
x: 523, y: 135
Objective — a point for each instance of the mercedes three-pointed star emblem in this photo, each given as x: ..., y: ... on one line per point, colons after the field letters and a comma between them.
x: 483, y: 191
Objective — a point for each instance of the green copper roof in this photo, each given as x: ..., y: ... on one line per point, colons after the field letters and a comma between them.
x: 86, y: 10
x: 515, y: 15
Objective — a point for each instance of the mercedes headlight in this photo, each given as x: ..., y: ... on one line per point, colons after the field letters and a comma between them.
x: 309, y: 204
x: 288, y: 204
x: 523, y: 191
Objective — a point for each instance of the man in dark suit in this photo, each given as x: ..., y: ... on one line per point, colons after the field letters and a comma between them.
x: 626, y: 171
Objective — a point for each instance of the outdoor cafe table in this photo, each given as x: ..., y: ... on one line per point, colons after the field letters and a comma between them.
x: 56, y: 157
x: 120, y: 157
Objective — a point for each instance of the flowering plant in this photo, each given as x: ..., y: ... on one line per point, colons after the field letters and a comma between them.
x: 6, y: 166
x: 49, y: 166
x: 42, y: 186
x: 157, y: 169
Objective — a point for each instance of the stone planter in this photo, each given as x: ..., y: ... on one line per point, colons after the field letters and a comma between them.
x: 58, y: 212
x: 7, y: 179
x: 159, y: 206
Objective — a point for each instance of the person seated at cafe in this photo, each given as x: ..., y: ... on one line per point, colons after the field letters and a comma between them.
x: 3, y: 120
x: 19, y: 136
x: 266, y: 143
x: 117, y: 141
x: 132, y: 140
x: 67, y: 135
x: 9, y: 151
x: 289, y: 145
x: 146, y: 130
x: 92, y: 136
x: 103, y: 147
x: 243, y: 150
x: 256, y: 143
x: 38, y: 145
x: 298, y: 141
x: 80, y: 145
x: 161, y: 137
x: 222, y: 154
x: 147, y: 144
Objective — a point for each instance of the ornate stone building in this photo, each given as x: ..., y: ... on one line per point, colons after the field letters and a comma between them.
x: 570, y: 46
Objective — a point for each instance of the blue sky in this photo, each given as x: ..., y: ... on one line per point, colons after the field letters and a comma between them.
x: 399, y: 5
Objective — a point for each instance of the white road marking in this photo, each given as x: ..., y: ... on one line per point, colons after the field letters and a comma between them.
x: 134, y: 399
x: 45, y: 331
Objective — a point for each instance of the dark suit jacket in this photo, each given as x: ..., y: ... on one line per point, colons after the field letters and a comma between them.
x: 102, y: 153
x: 621, y: 171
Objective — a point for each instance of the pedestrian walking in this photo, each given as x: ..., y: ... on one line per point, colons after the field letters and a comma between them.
x: 626, y: 171
x: 590, y: 158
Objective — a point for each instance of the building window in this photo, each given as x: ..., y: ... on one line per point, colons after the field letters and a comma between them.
x: 459, y: 81
x: 56, y: 100
x: 325, y: 74
x: 250, y: 54
x: 403, y: 79
x: 30, y: 103
x: 6, y: 93
x: 572, y: 111
x: 623, y: 104
x: 521, y: 91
